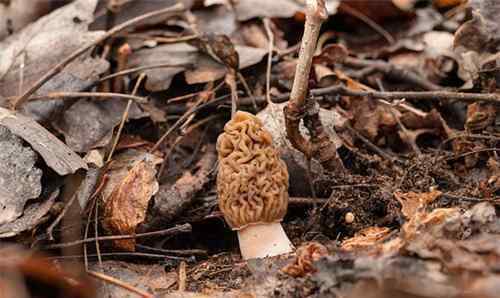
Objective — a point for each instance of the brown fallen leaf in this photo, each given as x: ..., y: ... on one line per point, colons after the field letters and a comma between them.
x: 480, y: 116
x: 131, y: 185
x: 365, y: 239
x: 411, y: 202
x: 207, y: 69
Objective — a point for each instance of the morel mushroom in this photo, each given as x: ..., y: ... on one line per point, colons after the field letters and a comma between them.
x: 252, y: 187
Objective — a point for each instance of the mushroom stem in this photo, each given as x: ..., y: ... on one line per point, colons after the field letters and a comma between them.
x: 263, y: 240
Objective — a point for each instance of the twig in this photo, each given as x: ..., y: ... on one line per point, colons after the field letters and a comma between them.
x: 405, y: 131
x: 183, y: 118
x: 124, y: 51
x: 320, y: 146
x: 68, y: 205
x: 392, y: 71
x: 62, y: 95
x: 96, y: 233
x: 120, y: 254
x: 473, y: 152
x: 119, y: 283
x: 372, y: 146
x: 376, y: 27
x: 422, y: 95
x: 125, y: 117
x: 56, y: 69
x: 182, y: 276
x: 141, y: 68
x: 180, y: 252
x: 270, y: 36
x: 185, y: 228
x: 464, y: 198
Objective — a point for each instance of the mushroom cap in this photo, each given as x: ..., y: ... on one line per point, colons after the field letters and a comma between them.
x: 252, y: 182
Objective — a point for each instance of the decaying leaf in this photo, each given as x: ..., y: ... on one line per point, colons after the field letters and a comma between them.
x: 40, y: 46
x: 411, y: 202
x: 88, y: 124
x: 15, y: 14
x: 176, y: 54
x: 131, y: 185
x: 208, y: 70
x: 480, y: 116
x: 33, y: 215
x: 366, y: 238
x: 20, y: 179
x: 54, y: 152
x: 307, y: 254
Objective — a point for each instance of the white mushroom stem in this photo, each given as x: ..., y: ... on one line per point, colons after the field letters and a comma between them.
x: 263, y: 240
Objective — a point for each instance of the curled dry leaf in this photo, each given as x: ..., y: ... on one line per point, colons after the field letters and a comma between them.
x: 307, y: 254
x: 366, y: 239
x: 131, y: 185
x: 480, y: 116
x: 411, y: 202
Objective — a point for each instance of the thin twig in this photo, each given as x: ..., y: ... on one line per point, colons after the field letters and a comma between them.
x: 183, y: 118
x: 376, y: 27
x: 372, y: 146
x: 110, y: 95
x: 119, y: 283
x: 270, y: 36
x: 56, y: 69
x: 125, y: 117
x: 443, y: 96
x: 319, y: 146
x: 68, y: 205
x: 141, y: 68
x: 121, y: 254
x: 392, y: 71
x: 180, y: 252
x: 185, y: 228
x: 96, y: 234
x: 182, y: 277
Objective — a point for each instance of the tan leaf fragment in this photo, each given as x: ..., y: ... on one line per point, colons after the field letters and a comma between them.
x: 411, y: 202
x: 365, y: 238
x: 126, y: 205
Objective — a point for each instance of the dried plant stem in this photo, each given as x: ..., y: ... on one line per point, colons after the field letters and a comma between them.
x: 442, y: 96
x: 141, y: 68
x: 320, y: 146
x: 125, y: 117
x: 185, y: 228
x: 110, y: 95
x: 56, y: 69
x: 119, y: 283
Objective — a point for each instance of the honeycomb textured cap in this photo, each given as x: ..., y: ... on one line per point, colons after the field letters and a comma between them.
x: 252, y: 183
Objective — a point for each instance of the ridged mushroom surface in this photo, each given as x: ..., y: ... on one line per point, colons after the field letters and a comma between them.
x: 252, y: 183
